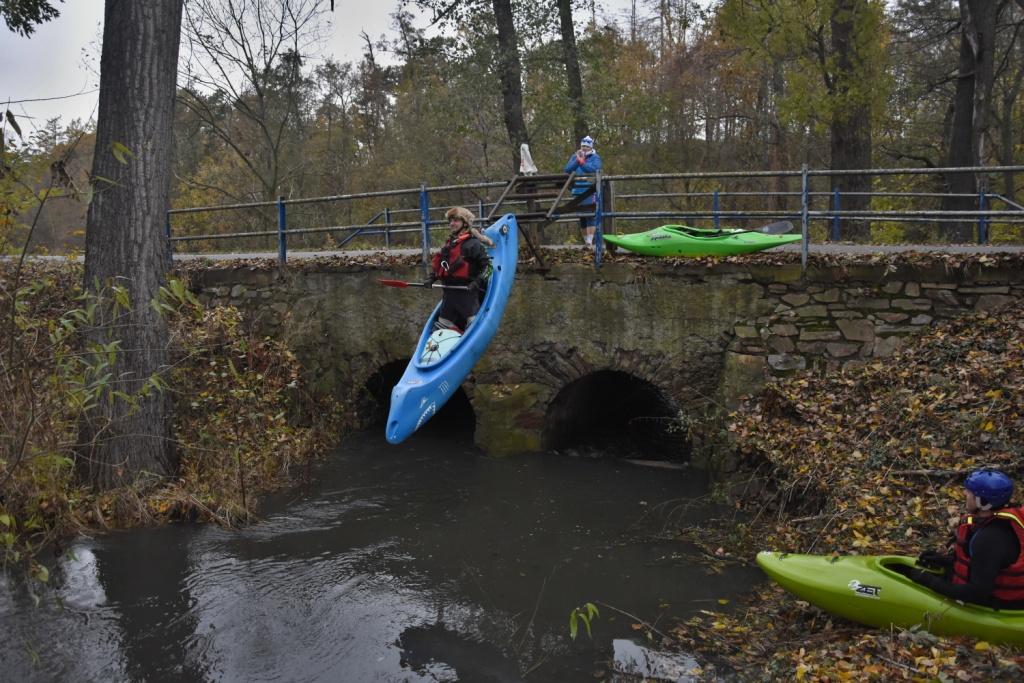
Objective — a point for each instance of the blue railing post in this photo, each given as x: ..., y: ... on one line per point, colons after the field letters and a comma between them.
x: 836, y: 229
x: 425, y: 222
x: 804, y: 222
x: 598, y: 221
x: 387, y: 227
x: 982, y: 220
x: 714, y: 209
x: 282, y: 229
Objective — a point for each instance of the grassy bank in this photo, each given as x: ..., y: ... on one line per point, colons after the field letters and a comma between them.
x: 866, y: 462
x: 243, y: 422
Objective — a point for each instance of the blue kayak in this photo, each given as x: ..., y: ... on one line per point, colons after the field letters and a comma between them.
x: 442, y: 360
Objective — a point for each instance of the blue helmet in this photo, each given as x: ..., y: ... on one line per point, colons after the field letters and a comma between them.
x: 992, y: 487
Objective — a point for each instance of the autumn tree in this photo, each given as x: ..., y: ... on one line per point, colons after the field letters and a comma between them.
x: 834, y: 60
x: 1008, y: 88
x: 971, y: 105
x: 573, y: 78
x: 128, y: 432
x: 923, y: 58
x: 247, y: 56
x: 507, y: 62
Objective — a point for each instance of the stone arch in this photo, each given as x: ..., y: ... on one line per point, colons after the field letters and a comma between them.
x: 613, y: 412
x: 374, y: 400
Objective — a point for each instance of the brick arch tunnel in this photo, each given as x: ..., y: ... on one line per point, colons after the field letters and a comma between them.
x: 611, y: 412
x: 456, y: 417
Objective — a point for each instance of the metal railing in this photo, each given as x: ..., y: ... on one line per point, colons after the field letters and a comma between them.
x: 394, y: 213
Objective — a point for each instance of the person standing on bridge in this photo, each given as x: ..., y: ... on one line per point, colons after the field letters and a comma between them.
x: 462, y: 262
x: 585, y: 160
x: 986, y: 563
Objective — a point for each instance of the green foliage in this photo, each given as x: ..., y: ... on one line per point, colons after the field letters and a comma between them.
x: 21, y: 16
x: 121, y: 153
x: 238, y: 398
x: 17, y: 196
x: 797, y: 35
x: 583, y: 614
x: 238, y: 395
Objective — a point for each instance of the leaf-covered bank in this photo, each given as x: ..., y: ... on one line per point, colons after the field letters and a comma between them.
x: 868, y: 461
x: 243, y: 422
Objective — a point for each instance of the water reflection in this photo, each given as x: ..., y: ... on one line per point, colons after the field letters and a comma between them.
x: 423, y: 562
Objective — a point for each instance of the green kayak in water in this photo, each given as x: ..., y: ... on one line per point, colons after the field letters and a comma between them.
x: 865, y: 589
x: 683, y: 240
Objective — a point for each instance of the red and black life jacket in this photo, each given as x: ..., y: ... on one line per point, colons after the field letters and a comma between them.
x: 448, y: 263
x: 1010, y: 580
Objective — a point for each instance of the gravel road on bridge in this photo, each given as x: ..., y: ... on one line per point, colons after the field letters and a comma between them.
x: 839, y: 248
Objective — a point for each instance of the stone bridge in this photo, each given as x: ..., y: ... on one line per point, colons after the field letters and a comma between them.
x: 625, y: 355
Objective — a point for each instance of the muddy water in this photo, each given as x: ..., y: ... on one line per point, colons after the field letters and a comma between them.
x: 421, y: 562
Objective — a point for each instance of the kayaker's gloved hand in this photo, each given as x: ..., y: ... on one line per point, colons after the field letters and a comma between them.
x: 935, y: 559
x: 925, y: 578
x: 430, y: 280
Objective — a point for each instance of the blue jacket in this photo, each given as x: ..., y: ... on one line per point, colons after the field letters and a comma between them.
x: 592, y: 164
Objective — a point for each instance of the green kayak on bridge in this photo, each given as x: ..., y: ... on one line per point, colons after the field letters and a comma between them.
x: 683, y: 240
x: 865, y: 589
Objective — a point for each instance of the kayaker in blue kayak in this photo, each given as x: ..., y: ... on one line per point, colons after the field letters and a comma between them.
x: 462, y: 262
x: 585, y: 160
x: 986, y: 563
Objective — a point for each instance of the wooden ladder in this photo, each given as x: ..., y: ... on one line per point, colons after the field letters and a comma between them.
x: 536, y: 188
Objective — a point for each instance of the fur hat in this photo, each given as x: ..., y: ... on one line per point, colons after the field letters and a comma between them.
x: 461, y: 212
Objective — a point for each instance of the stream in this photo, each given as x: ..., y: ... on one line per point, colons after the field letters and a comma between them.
x: 421, y: 562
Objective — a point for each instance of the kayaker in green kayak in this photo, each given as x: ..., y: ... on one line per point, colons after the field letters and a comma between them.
x: 985, y: 565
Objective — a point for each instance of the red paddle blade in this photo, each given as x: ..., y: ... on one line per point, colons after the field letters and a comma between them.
x: 394, y: 283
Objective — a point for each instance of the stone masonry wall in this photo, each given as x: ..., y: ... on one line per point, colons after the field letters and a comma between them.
x: 835, y: 317
x: 698, y: 334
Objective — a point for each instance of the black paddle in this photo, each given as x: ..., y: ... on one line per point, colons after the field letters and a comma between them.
x: 402, y: 284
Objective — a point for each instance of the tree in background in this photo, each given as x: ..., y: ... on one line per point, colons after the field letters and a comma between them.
x: 129, y: 432
x: 853, y: 73
x: 21, y: 16
x: 678, y: 86
x: 834, y: 60
x: 971, y: 106
x: 244, y: 82
x: 1008, y: 88
x: 573, y: 79
x: 506, y: 63
x: 924, y: 59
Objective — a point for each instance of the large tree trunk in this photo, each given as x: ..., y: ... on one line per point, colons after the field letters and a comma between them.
x: 970, y: 108
x: 510, y: 73
x: 571, y: 57
x: 850, y: 128
x: 125, y: 244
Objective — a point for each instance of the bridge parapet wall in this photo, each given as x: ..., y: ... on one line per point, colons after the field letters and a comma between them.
x: 845, y: 315
x: 701, y: 335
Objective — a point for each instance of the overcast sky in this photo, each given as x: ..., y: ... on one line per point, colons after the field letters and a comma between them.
x: 62, y: 56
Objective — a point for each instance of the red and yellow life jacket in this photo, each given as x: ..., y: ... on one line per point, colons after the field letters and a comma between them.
x: 1010, y: 580
x: 448, y: 263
